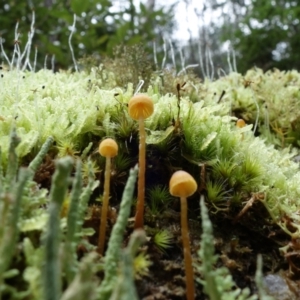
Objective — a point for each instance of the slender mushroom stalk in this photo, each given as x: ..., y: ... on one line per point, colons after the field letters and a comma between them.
x: 140, y: 107
x: 107, y: 148
x: 183, y: 185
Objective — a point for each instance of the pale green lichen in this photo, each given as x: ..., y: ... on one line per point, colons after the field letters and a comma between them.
x: 125, y: 287
x: 11, y: 192
x: 83, y: 285
x: 70, y: 261
x: 113, y: 252
x: 52, y: 284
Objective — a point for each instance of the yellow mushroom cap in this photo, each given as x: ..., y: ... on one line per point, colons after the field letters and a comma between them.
x: 182, y: 184
x: 108, y: 148
x: 240, y: 123
x: 140, y: 106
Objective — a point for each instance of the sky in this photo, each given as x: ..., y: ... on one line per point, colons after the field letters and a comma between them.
x: 184, y: 23
x: 188, y: 17
x: 187, y: 20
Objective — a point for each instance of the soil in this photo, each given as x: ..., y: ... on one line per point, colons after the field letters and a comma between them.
x: 237, y: 245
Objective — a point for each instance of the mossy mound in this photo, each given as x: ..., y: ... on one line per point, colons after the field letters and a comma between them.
x: 250, y: 181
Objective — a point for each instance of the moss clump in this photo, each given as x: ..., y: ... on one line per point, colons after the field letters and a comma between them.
x: 249, y: 179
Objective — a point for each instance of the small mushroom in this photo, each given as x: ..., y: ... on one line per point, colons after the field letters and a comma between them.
x: 240, y: 123
x: 140, y: 107
x: 107, y: 148
x: 183, y: 185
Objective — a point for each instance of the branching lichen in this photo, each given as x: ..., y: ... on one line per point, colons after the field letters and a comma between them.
x: 70, y: 261
x: 113, y: 252
x: 125, y: 287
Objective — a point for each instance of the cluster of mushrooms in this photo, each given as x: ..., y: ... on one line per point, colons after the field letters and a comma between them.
x: 182, y: 185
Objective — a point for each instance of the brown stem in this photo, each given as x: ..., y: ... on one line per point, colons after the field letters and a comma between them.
x: 139, y: 217
x: 189, y: 272
x: 102, y: 228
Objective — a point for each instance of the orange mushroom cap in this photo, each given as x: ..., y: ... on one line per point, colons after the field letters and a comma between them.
x: 240, y: 123
x: 108, y: 148
x: 140, y: 106
x: 182, y: 184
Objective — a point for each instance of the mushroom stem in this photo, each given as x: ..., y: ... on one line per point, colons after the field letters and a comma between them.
x: 189, y: 272
x: 139, y: 217
x: 102, y: 228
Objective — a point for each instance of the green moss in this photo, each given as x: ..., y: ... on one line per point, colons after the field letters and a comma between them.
x: 194, y: 131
